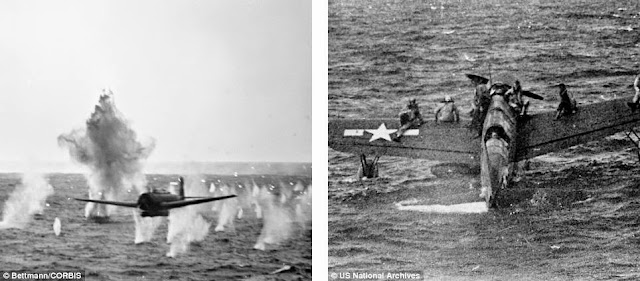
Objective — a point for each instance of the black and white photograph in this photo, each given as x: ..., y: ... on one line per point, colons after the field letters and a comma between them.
x: 483, y: 140
x: 156, y: 140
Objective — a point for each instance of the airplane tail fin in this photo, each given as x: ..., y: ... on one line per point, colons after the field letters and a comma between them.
x: 181, y: 188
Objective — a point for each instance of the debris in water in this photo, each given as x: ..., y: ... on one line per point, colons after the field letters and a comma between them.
x: 284, y: 268
x: 464, y: 208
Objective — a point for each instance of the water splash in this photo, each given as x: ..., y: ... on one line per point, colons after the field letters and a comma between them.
x: 27, y: 199
x: 57, y: 226
x: 186, y: 225
x: 112, y: 152
x: 278, y: 219
x: 227, y: 209
x: 145, y: 227
x: 304, y: 208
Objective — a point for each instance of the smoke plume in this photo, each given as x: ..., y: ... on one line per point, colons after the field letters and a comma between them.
x: 110, y: 149
x: 27, y: 199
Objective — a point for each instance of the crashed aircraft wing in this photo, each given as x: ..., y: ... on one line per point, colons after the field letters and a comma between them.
x: 446, y: 142
x: 541, y: 134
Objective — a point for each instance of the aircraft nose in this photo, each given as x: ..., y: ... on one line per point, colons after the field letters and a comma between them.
x: 144, y: 201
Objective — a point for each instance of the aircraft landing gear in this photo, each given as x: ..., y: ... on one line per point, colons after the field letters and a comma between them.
x: 368, y: 170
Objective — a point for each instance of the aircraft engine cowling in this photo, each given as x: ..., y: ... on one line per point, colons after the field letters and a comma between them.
x: 162, y: 213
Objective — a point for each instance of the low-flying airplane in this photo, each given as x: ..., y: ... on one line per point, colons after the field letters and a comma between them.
x: 506, y: 137
x: 157, y: 203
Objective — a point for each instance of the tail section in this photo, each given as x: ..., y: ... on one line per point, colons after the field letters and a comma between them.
x: 181, y: 188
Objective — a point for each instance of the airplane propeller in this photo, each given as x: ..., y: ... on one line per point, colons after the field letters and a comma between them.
x: 532, y: 95
x: 479, y: 80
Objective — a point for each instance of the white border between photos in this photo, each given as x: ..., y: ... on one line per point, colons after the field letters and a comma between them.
x: 319, y: 141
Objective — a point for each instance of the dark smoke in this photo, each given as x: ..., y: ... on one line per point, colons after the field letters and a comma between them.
x: 111, y: 151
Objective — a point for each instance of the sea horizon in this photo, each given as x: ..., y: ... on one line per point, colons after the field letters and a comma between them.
x: 169, y: 167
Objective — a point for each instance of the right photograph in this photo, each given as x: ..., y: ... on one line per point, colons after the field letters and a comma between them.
x: 483, y: 140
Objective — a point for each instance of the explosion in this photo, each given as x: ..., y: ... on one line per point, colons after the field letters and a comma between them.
x: 111, y: 151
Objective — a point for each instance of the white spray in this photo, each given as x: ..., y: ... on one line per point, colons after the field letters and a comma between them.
x: 57, y: 226
x: 145, y: 227
x: 110, y: 149
x: 27, y: 199
x: 304, y: 208
x: 186, y: 225
x: 283, y: 214
x: 228, y: 208
x: 277, y: 225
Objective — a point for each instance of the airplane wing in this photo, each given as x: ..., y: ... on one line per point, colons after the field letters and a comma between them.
x: 447, y: 142
x: 541, y: 134
x: 182, y: 203
x: 123, y: 204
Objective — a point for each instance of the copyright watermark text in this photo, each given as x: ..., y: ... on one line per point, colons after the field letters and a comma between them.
x: 42, y: 275
x: 376, y: 275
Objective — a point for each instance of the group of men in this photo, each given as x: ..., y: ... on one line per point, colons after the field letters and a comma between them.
x: 448, y: 112
x: 412, y: 118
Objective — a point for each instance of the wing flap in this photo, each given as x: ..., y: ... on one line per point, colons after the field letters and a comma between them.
x: 182, y: 203
x: 541, y: 134
x: 122, y: 204
x: 447, y: 142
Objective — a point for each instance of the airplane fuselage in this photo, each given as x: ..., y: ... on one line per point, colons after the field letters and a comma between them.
x: 151, y: 203
x: 498, y: 144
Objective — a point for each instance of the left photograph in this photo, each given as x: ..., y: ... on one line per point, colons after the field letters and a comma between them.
x: 155, y: 140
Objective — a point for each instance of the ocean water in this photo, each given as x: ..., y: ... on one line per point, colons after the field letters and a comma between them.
x: 106, y: 251
x: 572, y: 214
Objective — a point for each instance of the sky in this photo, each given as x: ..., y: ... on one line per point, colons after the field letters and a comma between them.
x: 217, y: 80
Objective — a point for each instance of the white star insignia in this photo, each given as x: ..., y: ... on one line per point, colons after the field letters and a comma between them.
x: 381, y: 133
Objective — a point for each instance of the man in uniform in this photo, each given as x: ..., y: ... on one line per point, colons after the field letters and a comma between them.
x: 447, y: 112
x: 568, y: 104
x: 409, y: 119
